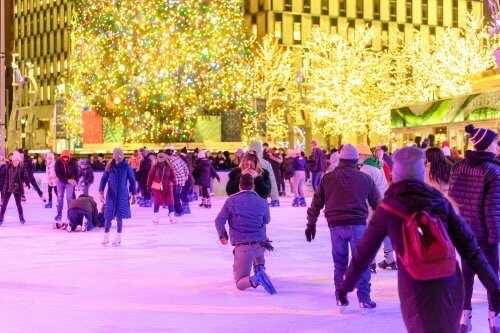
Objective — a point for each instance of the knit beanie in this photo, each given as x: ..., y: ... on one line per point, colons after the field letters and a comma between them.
x: 65, y: 153
x: 408, y: 164
x: 17, y: 156
x: 201, y: 154
x: 257, y: 146
x: 349, y: 152
x: 480, y: 137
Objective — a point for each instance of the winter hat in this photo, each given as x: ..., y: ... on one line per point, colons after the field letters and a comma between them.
x: 363, y: 148
x: 17, y: 156
x: 65, y: 153
x: 349, y: 152
x: 170, y: 150
x: 334, y: 160
x: 480, y: 137
x: 446, y: 151
x: 425, y: 143
x: 408, y: 164
x: 83, y: 162
x: 184, y: 150
x: 445, y: 143
x: 201, y: 154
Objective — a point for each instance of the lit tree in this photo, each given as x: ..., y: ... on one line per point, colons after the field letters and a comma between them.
x: 350, y: 84
x: 271, y: 75
x: 156, y: 65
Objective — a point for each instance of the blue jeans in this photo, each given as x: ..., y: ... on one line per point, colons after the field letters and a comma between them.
x: 315, y: 179
x: 61, y: 188
x: 342, y: 237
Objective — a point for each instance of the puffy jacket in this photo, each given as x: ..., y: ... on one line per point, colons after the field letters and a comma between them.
x: 344, y: 193
x: 262, y: 183
x: 204, y: 172
x: 15, y: 178
x: 475, y: 187
x: 247, y: 214
x: 434, y: 305
x: 318, y: 160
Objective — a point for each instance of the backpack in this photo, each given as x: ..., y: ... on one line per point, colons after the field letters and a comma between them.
x: 429, y: 252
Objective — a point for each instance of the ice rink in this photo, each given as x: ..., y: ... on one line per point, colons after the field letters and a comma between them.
x: 178, y: 278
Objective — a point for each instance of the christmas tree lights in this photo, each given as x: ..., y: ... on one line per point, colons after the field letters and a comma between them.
x: 156, y: 65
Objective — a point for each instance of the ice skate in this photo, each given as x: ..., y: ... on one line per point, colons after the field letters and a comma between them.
x: 295, y: 202
x: 186, y: 209
x: 465, y: 321
x: 302, y: 202
x: 68, y: 228
x: 208, y: 203
x: 494, y: 322
x: 341, y: 305
x: 261, y: 279
x: 105, y: 240
x: 155, y: 218
x: 367, y: 307
x: 202, y: 204
x: 48, y: 205
x: 22, y: 221
x: 274, y: 203
x: 118, y: 239
x: 385, y: 265
x: 85, y: 224
x: 58, y: 216
x: 172, y: 218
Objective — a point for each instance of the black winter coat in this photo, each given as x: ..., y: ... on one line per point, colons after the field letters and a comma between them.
x: 434, y: 305
x: 65, y: 171
x: 475, y: 187
x: 15, y: 178
x: 204, y: 172
x: 262, y: 183
x: 344, y: 193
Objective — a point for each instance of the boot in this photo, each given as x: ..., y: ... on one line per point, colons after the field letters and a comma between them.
x: 118, y: 239
x: 208, y: 203
x: 171, y: 217
x: 494, y: 321
x: 274, y: 203
x: 466, y: 321
x: 186, y: 209
x: 368, y: 306
x: 342, y: 306
x: 385, y: 265
x: 105, y: 240
x: 202, y: 204
x: 295, y: 202
x: 58, y: 216
x: 261, y: 279
x: 302, y: 202
x: 49, y: 204
x: 155, y: 218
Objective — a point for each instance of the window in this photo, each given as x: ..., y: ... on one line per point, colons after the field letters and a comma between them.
x: 342, y: 7
x: 440, y: 12
x: 297, y: 26
x: 324, y: 7
x: 408, y: 12
x: 393, y: 10
x: 315, y: 20
x: 307, y: 6
x: 333, y: 21
x: 425, y: 11
x: 359, y: 8
x: 376, y: 9
x: 288, y: 5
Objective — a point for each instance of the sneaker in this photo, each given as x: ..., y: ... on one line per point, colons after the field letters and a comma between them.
x: 494, y: 322
x: 384, y: 265
x: 466, y: 321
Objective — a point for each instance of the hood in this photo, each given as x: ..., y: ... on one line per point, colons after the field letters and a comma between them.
x: 49, y: 157
x: 410, y: 195
x: 372, y: 161
x: 65, y: 153
x: 475, y: 158
x: 257, y: 146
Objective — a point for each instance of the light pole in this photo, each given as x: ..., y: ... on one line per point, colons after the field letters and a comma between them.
x: 2, y: 77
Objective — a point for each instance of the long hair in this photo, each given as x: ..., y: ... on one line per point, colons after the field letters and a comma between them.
x: 440, y: 166
x: 252, y: 155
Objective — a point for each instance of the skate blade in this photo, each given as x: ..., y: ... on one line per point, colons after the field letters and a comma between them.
x: 367, y: 311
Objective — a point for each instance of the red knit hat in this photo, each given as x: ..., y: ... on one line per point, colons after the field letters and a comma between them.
x: 65, y: 153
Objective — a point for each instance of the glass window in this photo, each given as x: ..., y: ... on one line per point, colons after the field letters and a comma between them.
x: 324, y: 7
x: 307, y: 6
x: 288, y: 5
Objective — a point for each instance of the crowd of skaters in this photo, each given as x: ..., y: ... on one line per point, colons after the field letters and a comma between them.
x: 349, y: 183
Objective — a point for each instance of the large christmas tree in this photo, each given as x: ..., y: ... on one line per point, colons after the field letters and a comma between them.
x: 153, y: 66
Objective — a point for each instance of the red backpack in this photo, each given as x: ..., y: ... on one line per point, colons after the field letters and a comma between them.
x: 429, y: 253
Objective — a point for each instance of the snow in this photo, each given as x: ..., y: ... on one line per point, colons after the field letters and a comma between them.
x: 178, y: 278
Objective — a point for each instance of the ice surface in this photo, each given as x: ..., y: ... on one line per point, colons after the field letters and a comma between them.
x: 178, y: 278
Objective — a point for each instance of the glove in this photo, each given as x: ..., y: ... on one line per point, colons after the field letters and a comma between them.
x: 310, y: 232
x: 342, y: 298
x: 495, y: 300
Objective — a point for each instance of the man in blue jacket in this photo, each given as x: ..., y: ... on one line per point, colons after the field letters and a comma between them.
x: 247, y: 214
